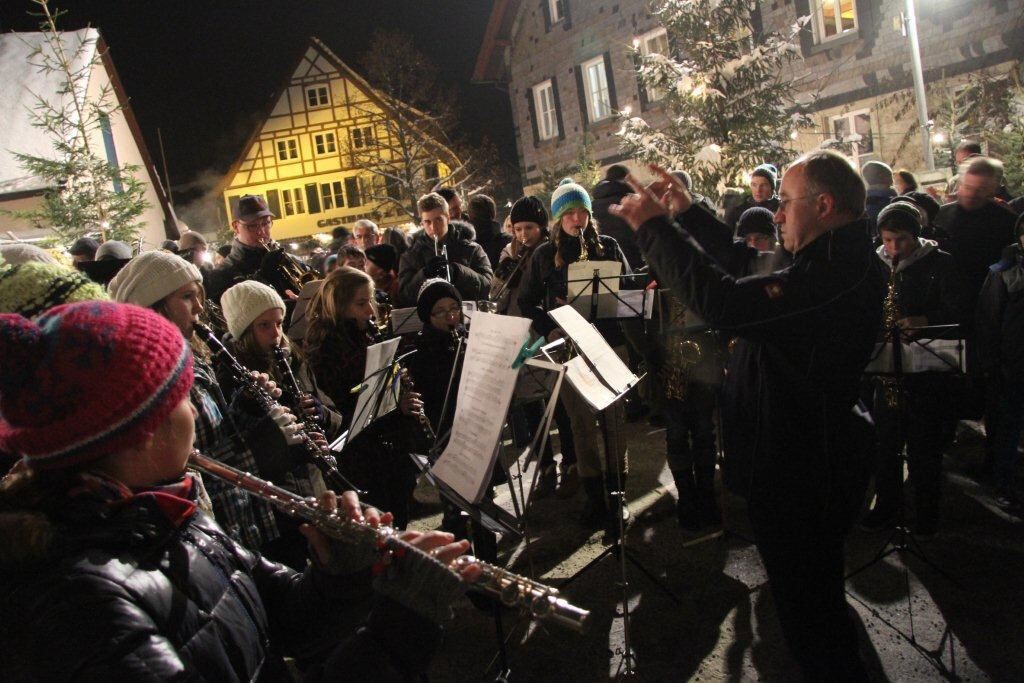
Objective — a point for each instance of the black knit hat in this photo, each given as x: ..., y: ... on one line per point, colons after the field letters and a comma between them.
x: 383, y: 256
x: 84, y: 246
x: 769, y: 173
x: 901, y: 216
x: 758, y: 220
x: 432, y: 291
x: 529, y: 209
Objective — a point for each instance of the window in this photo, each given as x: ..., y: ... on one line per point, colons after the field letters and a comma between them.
x: 352, y: 190
x: 544, y: 106
x: 287, y: 149
x: 294, y: 201
x: 317, y: 96
x: 854, y: 129
x: 595, y: 84
x: 324, y: 143
x: 833, y: 18
x: 556, y: 9
x: 653, y: 43
x: 331, y: 195
x: 363, y: 137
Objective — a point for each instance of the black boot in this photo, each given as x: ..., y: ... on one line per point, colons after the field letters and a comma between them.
x: 594, y: 509
x: 708, y: 512
x: 686, y: 508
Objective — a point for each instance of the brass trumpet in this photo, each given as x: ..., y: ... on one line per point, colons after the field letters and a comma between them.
x: 289, y: 272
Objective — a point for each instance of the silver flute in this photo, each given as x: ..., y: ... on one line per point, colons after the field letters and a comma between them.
x: 538, y: 600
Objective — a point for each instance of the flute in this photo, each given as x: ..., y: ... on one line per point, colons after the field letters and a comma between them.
x: 538, y: 600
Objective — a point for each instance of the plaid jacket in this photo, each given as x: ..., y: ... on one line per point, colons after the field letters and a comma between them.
x: 246, y: 519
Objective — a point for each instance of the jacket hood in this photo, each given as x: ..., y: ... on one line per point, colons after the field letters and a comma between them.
x: 926, y: 247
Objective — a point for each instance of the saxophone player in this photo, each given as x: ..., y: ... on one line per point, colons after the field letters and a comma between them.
x: 926, y: 289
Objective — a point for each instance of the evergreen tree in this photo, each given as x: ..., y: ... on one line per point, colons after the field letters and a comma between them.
x: 87, y: 194
x: 728, y: 103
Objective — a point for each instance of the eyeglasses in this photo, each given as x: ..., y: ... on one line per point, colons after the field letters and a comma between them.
x: 444, y: 313
x: 261, y: 224
x: 783, y: 203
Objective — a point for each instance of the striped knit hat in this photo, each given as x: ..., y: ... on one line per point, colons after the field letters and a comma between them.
x: 33, y: 287
x: 87, y: 380
x: 567, y: 196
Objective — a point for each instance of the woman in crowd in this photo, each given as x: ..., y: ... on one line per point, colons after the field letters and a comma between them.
x: 575, y: 237
x: 123, y: 577
x: 341, y: 328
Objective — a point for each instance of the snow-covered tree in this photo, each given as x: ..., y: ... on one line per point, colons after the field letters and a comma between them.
x: 729, y: 105
x: 88, y: 194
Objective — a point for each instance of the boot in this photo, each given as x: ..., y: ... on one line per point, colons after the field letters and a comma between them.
x: 708, y: 513
x: 686, y: 509
x: 594, y: 509
x: 570, y: 482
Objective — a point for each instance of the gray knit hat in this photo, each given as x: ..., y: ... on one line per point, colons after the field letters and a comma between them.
x: 150, y: 277
x: 876, y: 174
x: 246, y: 301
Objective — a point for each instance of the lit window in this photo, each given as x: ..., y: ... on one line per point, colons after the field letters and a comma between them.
x: 363, y: 137
x: 544, y: 107
x: 287, y: 149
x: 556, y: 8
x: 331, y: 195
x: 653, y: 43
x: 317, y: 96
x: 595, y: 83
x: 854, y: 129
x: 325, y: 143
x: 294, y: 202
x: 834, y: 18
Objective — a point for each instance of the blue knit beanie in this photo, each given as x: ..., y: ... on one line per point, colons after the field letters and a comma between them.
x: 567, y: 196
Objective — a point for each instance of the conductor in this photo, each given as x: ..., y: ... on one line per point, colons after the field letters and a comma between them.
x: 805, y: 336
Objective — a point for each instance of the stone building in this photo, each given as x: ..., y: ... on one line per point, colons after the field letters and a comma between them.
x: 320, y: 152
x: 568, y: 64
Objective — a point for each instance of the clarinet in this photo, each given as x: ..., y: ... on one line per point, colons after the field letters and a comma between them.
x: 319, y: 457
x: 537, y: 599
x: 284, y: 369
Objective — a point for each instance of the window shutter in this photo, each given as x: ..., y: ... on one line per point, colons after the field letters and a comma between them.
x: 567, y: 15
x: 558, y: 108
x: 274, y: 202
x: 532, y: 108
x: 546, y: 9
x: 582, y: 93
x: 610, y: 75
x: 312, y: 198
x: 352, y: 190
x: 803, y: 8
x: 641, y: 90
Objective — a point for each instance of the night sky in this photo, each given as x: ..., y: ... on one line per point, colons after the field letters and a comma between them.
x: 203, y: 71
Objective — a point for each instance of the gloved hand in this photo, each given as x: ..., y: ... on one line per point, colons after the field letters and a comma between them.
x: 436, y: 267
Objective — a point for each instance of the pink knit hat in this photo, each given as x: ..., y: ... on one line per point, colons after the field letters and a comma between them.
x: 86, y: 380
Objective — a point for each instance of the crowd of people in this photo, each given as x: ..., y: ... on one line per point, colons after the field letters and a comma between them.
x: 117, y: 366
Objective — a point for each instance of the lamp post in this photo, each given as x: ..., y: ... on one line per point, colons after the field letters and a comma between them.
x: 910, y: 30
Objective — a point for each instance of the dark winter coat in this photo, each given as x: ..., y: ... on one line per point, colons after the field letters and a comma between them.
x: 1000, y: 319
x: 605, y: 194
x: 876, y: 200
x: 732, y: 216
x: 431, y: 369
x: 976, y: 240
x: 544, y: 282
x: 928, y: 284
x: 120, y: 594
x: 470, y: 269
x: 790, y: 399
x: 247, y: 263
x: 492, y: 238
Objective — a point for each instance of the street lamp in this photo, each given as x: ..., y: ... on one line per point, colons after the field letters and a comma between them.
x: 910, y: 30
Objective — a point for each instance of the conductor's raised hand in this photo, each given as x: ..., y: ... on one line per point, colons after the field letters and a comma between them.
x: 641, y: 206
x: 670, y: 190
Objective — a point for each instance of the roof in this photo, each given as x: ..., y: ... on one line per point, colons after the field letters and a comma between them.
x: 23, y: 81
x: 490, y: 61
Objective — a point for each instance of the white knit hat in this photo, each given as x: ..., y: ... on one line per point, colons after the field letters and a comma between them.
x: 246, y: 301
x: 151, y: 276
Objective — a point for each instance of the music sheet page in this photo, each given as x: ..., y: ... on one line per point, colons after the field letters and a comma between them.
x: 377, y: 356
x: 592, y: 345
x: 485, y: 391
x: 581, y: 274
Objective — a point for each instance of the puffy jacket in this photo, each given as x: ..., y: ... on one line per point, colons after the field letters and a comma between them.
x: 471, y: 271
x: 120, y: 594
x: 1000, y: 321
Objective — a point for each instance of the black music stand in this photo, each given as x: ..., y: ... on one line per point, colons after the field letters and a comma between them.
x: 901, y: 539
x: 597, y: 284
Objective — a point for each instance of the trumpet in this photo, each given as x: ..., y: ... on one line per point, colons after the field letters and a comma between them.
x: 443, y: 252
x: 538, y: 600
x: 285, y: 268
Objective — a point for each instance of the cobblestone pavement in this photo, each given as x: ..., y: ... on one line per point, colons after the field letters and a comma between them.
x: 719, y: 623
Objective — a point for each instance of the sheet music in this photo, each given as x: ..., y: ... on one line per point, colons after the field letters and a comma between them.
x: 485, y: 391
x: 625, y: 304
x: 592, y: 345
x: 405, y: 321
x: 583, y: 272
x: 923, y: 355
x: 377, y: 356
x: 586, y: 383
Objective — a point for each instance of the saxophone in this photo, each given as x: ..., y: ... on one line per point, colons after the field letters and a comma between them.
x: 537, y: 599
x: 891, y: 329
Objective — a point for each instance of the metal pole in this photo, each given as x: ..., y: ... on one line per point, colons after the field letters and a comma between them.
x: 910, y: 23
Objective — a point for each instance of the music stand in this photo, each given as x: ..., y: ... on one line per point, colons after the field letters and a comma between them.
x: 597, y: 311
x: 901, y: 539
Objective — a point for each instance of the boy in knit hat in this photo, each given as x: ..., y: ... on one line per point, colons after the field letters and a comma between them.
x: 764, y: 181
x: 102, y: 536
x: 32, y: 288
